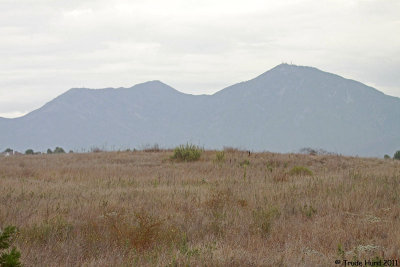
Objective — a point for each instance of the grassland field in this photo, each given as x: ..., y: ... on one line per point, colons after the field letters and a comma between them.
x: 144, y: 209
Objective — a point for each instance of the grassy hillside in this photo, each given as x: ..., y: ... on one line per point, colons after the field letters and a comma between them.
x: 141, y: 208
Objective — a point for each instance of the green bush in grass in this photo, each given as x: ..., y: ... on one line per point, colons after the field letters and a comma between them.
x: 9, y: 258
x: 300, y: 170
x: 187, y: 152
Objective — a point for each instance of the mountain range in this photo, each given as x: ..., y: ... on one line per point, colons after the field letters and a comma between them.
x: 283, y: 110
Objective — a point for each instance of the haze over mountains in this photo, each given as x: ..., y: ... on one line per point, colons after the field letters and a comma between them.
x: 283, y: 110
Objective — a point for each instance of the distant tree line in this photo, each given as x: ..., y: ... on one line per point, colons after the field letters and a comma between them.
x: 155, y: 148
x: 57, y: 150
x: 395, y: 156
x: 315, y: 151
x: 30, y: 151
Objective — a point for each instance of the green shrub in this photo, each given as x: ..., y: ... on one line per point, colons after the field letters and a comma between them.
x: 220, y: 156
x: 386, y: 156
x: 263, y: 219
x: 9, y: 258
x: 58, y: 150
x: 29, y: 152
x: 397, y: 155
x: 49, y: 151
x: 300, y: 170
x: 340, y: 251
x: 187, y: 152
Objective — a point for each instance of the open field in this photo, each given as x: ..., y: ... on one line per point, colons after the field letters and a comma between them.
x: 143, y: 209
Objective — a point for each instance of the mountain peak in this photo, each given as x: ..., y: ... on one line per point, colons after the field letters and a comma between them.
x: 154, y: 86
x: 284, y: 109
x: 155, y: 82
x: 287, y: 67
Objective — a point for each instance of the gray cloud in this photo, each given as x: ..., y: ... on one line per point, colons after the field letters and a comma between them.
x: 47, y: 47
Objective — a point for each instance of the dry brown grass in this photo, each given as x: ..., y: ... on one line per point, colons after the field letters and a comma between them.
x: 142, y: 209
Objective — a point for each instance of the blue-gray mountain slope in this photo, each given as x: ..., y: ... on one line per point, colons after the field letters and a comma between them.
x: 283, y: 110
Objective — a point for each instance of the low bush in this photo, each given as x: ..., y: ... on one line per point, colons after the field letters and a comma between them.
x: 143, y: 232
x: 220, y: 156
x: 300, y: 170
x: 9, y: 258
x: 263, y: 219
x: 187, y: 152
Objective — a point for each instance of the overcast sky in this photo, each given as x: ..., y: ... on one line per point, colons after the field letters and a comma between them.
x: 197, y: 47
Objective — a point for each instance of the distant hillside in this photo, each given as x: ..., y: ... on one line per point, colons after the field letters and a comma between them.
x: 284, y: 109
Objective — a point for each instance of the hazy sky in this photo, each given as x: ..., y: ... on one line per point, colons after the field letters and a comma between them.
x: 197, y: 47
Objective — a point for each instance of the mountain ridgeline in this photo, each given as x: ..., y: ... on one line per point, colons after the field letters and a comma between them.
x: 283, y: 110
